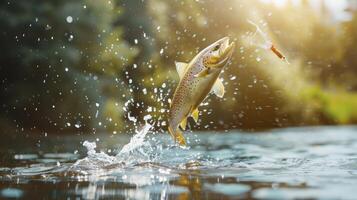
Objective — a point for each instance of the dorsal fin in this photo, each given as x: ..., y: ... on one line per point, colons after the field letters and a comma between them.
x: 181, y: 68
x: 218, y: 88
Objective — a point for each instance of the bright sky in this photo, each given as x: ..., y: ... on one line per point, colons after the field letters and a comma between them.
x: 336, y: 6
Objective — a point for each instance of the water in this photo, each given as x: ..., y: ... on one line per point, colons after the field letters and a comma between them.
x: 313, y: 163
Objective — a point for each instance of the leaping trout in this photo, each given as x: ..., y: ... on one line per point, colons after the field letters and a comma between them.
x: 197, y: 79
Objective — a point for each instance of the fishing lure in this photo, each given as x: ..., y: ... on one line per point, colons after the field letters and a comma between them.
x: 268, y: 44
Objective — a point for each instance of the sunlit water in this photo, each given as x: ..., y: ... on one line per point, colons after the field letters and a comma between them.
x: 279, y: 164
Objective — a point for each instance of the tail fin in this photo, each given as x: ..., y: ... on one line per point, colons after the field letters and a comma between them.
x: 178, y: 136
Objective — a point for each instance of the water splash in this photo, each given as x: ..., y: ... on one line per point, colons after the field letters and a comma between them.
x: 137, y: 150
x: 137, y: 141
x: 93, y: 160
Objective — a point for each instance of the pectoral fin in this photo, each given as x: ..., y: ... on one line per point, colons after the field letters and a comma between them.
x: 203, y: 73
x: 181, y: 68
x: 195, y: 114
x: 183, y: 123
x: 218, y: 88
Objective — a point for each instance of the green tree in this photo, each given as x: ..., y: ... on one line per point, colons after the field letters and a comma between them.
x: 56, y: 58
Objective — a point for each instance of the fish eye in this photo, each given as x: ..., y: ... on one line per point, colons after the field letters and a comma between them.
x: 216, y: 47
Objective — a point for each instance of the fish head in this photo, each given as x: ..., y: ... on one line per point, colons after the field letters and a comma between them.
x: 218, y: 54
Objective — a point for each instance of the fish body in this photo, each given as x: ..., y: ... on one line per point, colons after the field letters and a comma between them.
x: 197, y: 79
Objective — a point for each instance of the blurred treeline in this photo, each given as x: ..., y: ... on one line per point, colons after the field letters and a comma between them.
x: 92, y: 65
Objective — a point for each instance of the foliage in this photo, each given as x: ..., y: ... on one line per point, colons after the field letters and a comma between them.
x: 86, y: 65
x: 52, y: 53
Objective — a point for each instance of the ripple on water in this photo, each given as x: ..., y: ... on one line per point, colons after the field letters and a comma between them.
x: 26, y: 156
x: 11, y: 193
x: 334, y: 192
x: 228, y: 189
x: 283, y: 164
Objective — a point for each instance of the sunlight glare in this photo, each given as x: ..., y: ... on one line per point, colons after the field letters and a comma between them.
x: 276, y: 2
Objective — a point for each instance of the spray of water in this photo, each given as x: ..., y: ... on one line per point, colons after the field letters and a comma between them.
x: 138, y: 150
x: 137, y: 141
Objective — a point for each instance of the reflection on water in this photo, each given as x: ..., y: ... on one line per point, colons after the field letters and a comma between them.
x: 282, y: 164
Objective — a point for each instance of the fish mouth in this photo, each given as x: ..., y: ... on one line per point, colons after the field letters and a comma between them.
x: 222, y: 55
x: 227, y: 48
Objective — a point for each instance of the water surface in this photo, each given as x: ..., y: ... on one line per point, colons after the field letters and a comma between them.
x: 314, y: 163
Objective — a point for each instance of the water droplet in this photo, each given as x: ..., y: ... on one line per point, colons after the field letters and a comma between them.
x: 78, y: 125
x: 69, y: 19
x: 48, y: 27
x: 70, y: 38
x: 147, y: 117
x: 131, y: 118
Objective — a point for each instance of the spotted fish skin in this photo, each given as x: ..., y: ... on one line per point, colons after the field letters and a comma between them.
x: 192, y: 90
